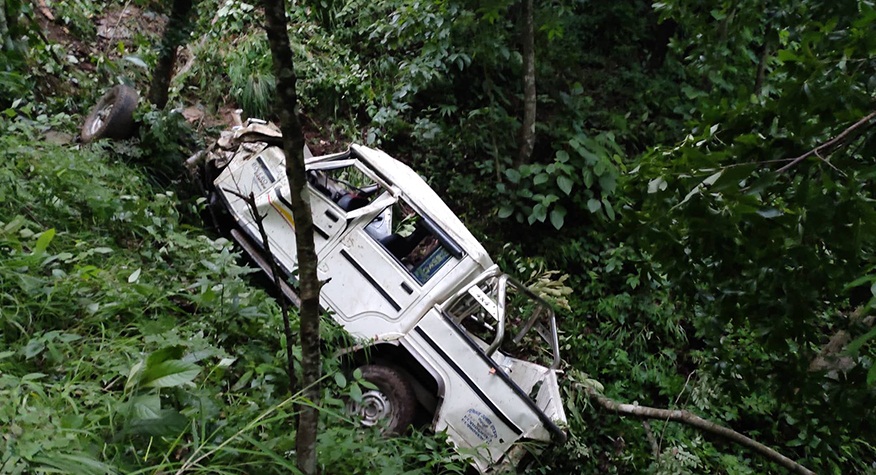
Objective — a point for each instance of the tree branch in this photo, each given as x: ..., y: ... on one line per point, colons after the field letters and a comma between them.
x: 830, y: 143
x: 697, y: 422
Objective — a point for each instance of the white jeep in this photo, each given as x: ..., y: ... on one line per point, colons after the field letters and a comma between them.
x: 440, y: 327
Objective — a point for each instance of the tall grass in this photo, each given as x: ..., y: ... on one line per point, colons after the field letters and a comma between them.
x: 131, y: 340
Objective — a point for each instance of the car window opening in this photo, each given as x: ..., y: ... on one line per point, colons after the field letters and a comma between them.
x: 411, y: 240
x: 348, y: 186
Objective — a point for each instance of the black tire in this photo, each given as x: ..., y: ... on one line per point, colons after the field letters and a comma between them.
x: 112, y: 117
x: 392, y: 406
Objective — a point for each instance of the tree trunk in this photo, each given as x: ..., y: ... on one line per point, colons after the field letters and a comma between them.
x: 660, y: 39
x: 760, y: 75
x: 5, y: 37
x: 527, y: 131
x: 308, y: 282
x: 174, y: 35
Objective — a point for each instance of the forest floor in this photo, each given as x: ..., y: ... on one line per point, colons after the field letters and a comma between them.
x: 117, y: 31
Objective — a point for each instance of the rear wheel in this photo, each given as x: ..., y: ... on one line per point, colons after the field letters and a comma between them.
x: 392, y: 406
x: 113, y: 116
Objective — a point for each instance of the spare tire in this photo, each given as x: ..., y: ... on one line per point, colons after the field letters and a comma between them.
x: 113, y: 116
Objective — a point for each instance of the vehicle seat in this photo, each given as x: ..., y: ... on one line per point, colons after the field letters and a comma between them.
x: 350, y: 202
x: 402, y: 246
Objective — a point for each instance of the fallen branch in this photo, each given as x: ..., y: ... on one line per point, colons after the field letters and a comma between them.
x: 830, y: 143
x: 698, y: 422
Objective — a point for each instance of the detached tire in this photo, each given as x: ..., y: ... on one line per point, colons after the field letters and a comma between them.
x: 112, y: 117
x: 391, y: 406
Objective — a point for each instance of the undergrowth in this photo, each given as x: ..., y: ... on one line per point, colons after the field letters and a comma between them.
x: 132, y: 340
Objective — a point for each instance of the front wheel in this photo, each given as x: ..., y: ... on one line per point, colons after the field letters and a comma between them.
x: 113, y: 116
x: 392, y: 406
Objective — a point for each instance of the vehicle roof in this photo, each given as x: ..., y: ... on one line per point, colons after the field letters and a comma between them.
x: 424, y: 198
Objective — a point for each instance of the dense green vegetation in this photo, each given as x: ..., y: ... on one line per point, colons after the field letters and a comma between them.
x: 709, y: 269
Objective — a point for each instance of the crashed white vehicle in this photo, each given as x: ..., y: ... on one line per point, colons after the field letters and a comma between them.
x: 440, y: 327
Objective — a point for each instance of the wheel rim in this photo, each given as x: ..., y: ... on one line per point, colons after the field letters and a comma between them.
x: 100, y: 119
x: 375, y: 407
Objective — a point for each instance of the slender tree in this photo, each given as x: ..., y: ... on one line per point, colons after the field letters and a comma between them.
x: 5, y: 38
x: 527, y: 131
x: 174, y: 35
x: 308, y: 282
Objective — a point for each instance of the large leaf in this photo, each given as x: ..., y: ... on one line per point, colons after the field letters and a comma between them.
x: 565, y: 184
x: 167, y: 353
x: 558, y: 216
x: 168, y: 374
x: 168, y: 422
x: 71, y: 463
x: 147, y: 406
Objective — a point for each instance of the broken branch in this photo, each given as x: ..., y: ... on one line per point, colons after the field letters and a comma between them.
x: 698, y: 422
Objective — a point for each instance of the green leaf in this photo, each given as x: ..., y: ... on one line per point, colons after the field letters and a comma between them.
x: 587, y: 175
x: 340, y: 380
x: 147, y: 406
x: 761, y: 183
x: 607, y: 183
x: 540, y: 178
x: 770, y: 213
x: 59, y: 462
x: 133, y: 374
x: 506, y: 210
x: 34, y: 347
x: 43, y: 241
x: 168, y: 374
x: 356, y: 392
x: 134, y: 276
x: 174, y: 352
x: 558, y: 216
x: 136, y: 61
x: 859, y: 342
x: 786, y: 56
x: 609, y: 210
x: 168, y: 422
x: 593, y: 205
x: 657, y: 184
x: 565, y: 184
x: 539, y: 212
x: 713, y: 178
x: 732, y: 176
x: 512, y: 175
